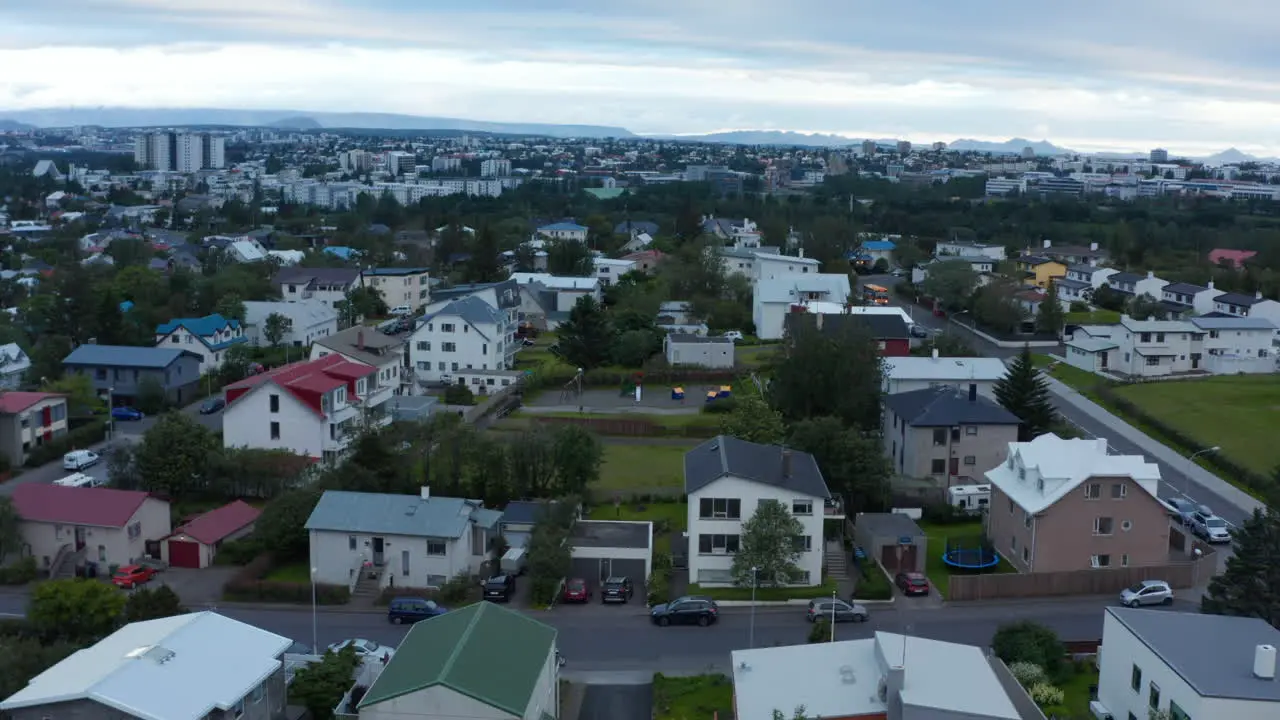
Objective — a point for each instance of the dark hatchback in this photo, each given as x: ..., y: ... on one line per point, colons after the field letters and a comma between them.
x: 212, y: 405
x: 617, y: 589
x: 500, y: 588
x: 700, y: 611
x: 408, y: 610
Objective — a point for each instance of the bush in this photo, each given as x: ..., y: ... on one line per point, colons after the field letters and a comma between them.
x: 1027, y: 674
x: 248, y: 586
x: 1029, y: 642
x: 1044, y: 694
x: 239, y: 552
x: 19, y: 573
x: 658, y: 587
x: 820, y: 631
x: 459, y: 395
x: 873, y: 584
x: 723, y: 406
x: 91, y: 433
x: 945, y: 514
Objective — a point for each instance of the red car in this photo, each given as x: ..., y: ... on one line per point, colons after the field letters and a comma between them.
x: 576, y: 590
x: 912, y: 583
x: 131, y: 576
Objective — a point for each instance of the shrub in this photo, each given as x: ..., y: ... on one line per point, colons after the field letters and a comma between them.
x: 820, y: 631
x: 458, y: 588
x: 19, y: 573
x: 459, y: 395
x: 239, y: 552
x: 723, y: 406
x: 91, y: 433
x: 1029, y: 642
x: 1027, y: 674
x: 945, y: 514
x: 1045, y: 694
x: 248, y: 586
x: 659, y: 587
x: 873, y: 584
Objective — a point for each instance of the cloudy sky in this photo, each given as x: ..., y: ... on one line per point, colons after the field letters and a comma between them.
x: 1089, y: 74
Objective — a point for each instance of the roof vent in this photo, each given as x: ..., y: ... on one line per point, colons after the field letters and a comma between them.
x: 155, y: 653
x: 1264, y: 662
x: 847, y: 675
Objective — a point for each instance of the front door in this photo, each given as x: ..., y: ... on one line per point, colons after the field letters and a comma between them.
x: 1105, y: 356
x: 377, y: 551
x: 1195, y: 361
x: 955, y: 466
x: 404, y: 563
x: 79, y: 538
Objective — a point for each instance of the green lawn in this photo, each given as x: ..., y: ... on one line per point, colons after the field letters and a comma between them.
x: 938, y: 572
x: 295, y: 572
x: 754, y: 356
x: 1076, y: 696
x: 1081, y: 380
x: 636, y: 467
x: 825, y: 590
x: 699, y: 697
x: 1095, y: 317
x: 675, y: 513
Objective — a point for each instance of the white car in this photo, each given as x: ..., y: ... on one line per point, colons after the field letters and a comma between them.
x: 734, y: 335
x: 1147, y: 592
x: 79, y: 459
x: 365, y: 649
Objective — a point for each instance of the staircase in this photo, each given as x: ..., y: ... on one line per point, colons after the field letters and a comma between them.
x: 837, y: 563
x: 64, y: 563
x: 368, y: 587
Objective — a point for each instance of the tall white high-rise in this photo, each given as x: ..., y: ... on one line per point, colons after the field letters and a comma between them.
x: 180, y: 152
x: 495, y: 167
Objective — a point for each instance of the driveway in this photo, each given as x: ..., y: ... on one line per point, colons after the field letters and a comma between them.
x: 199, y: 589
x: 618, y: 702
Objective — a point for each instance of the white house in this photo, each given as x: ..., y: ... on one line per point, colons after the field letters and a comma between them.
x: 1137, y: 285
x: 247, y: 250
x: 771, y: 266
x: 1156, y: 660
x: 1080, y: 282
x: 608, y: 270
x: 466, y: 334
x: 1240, y: 305
x: 1091, y: 348
x: 726, y: 479
x: 904, y: 374
x: 63, y: 524
x: 312, y: 408
x: 185, y: 667
x: 14, y: 364
x: 1153, y: 348
x: 307, y: 321
x: 327, y: 285
x: 545, y: 300
x: 982, y: 265
x: 503, y: 296
x: 385, y: 353
x: 1186, y: 299
x: 564, y: 231
x: 1237, y: 345
x: 965, y: 247
x: 412, y: 541
x: 773, y: 299
x: 210, y: 337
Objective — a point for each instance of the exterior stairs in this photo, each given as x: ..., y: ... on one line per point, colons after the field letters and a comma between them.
x: 369, y: 586
x: 837, y: 563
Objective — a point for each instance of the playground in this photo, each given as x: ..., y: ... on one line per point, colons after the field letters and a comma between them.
x: 650, y: 400
x: 959, y: 549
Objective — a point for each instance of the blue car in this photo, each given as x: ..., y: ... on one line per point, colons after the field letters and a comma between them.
x: 409, y: 610
x: 126, y: 413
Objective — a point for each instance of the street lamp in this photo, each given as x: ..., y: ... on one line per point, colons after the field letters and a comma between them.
x: 1187, y: 486
x: 833, y: 616
x: 111, y: 424
x: 315, y: 644
x: 751, y: 643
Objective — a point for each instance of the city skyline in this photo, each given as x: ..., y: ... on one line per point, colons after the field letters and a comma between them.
x: 1092, y: 77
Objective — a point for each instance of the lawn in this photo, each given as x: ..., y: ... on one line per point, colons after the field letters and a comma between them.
x: 699, y: 697
x: 634, y: 468
x: 938, y: 572
x: 825, y: 590
x: 295, y: 572
x: 754, y: 356
x: 1080, y: 380
x: 667, y: 420
x: 675, y: 513
x: 1075, y: 691
x: 1094, y: 317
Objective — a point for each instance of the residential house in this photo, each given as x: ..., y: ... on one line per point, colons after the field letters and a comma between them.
x: 519, y: 517
x: 63, y: 526
x: 466, y: 334
x: 14, y: 365
x: 1060, y: 505
x: 1240, y: 305
x: 1080, y: 282
x: 1156, y: 662
x: 480, y: 661
x: 123, y: 371
x: 637, y: 244
x: 505, y: 296
x: 193, y: 666
x: 1185, y: 299
x: 1237, y: 345
x: 982, y: 266
x: 305, y: 321
x: 772, y: 266
x: 609, y: 270
x: 412, y: 541
x: 545, y: 300
x: 1076, y: 254
x: 774, y: 299
x: 675, y: 312
x: 210, y: 337
x: 1155, y: 348
x: 311, y: 408
x: 632, y: 228
x: 327, y: 285
x: 889, y: 330
x: 1039, y: 270
x: 646, y: 261
x: 29, y: 420
x: 564, y: 231
x: 401, y: 286
x: 996, y: 253
x: 904, y: 374
x: 385, y: 353
x: 884, y: 676
x: 1234, y: 259
x: 726, y: 480
x: 949, y: 436
x: 1092, y: 348
x: 738, y: 261
x: 246, y: 250
x: 698, y: 351
x: 1135, y: 285
x: 871, y: 251
x: 196, y: 543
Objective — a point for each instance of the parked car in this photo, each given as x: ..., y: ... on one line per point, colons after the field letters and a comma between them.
x: 1147, y: 592
x: 839, y: 609
x: 365, y: 649
x: 1209, y: 526
x: 126, y: 414
x: 701, y: 611
x: 500, y: 588
x: 1180, y: 509
x: 79, y: 459
x: 912, y: 583
x: 734, y: 335
x: 617, y: 589
x: 212, y: 405
x: 131, y: 576
x: 410, y: 610
x: 919, y: 331
x: 576, y: 591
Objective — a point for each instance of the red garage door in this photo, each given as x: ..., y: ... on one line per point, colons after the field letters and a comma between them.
x: 184, y: 554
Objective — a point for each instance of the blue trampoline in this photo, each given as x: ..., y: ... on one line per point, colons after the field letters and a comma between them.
x: 973, y: 553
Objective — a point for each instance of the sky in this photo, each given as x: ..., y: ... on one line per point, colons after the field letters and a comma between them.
x: 1090, y: 75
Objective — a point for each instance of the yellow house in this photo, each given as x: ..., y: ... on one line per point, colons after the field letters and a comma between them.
x: 1040, y: 271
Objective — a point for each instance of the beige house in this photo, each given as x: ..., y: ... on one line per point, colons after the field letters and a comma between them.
x: 29, y: 420
x: 63, y: 527
x: 948, y: 435
x: 401, y: 286
x: 1061, y: 505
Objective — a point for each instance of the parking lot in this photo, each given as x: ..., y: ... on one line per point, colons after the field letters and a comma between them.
x: 654, y: 400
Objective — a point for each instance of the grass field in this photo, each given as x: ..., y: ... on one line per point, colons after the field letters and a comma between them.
x: 754, y: 356
x: 675, y: 513
x: 699, y: 697
x: 1238, y: 413
x: 295, y: 572
x: 938, y: 572
x: 636, y: 467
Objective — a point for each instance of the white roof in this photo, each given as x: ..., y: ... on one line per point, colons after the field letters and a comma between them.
x: 817, y: 307
x: 288, y: 257
x: 1041, y: 472
x: 168, y: 669
x: 946, y: 676
x: 778, y: 257
x: 944, y: 368
x: 788, y: 288
x: 614, y: 262
x: 304, y: 314
x: 556, y: 282
x: 1157, y: 326
x: 248, y: 250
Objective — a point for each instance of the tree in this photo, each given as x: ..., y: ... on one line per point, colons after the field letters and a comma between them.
x: 1108, y: 298
x: 172, y: 456
x: 838, y: 372
x: 1050, y: 317
x: 995, y: 307
x: 946, y: 344
x: 950, y: 282
x: 26, y: 657
x: 569, y: 258
x: 754, y: 421
x: 532, y: 464
x: 1250, y: 586
x: 768, y: 544
x: 10, y: 529
x: 281, y: 526
x: 151, y: 397
x: 1146, y: 307
x: 577, y: 456
x: 275, y: 327
x: 853, y: 462
x: 319, y: 687
x: 82, y: 399
x: 147, y: 603
x: 231, y: 306
x: 485, y: 265
x: 1029, y: 642
x: 550, y: 556
x: 587, y: 336
x: 76, y: 610
x: 1023, y: 392
x: 122, y: 470
x: 634, y: 347
x: 880, y: 267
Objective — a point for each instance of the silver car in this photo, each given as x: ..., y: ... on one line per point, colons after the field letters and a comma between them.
x: 1209, y: 526
x: 1147, y: 592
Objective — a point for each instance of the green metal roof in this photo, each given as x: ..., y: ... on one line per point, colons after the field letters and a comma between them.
x: 484, y: 651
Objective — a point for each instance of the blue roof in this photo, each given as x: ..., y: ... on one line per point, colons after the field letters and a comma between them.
x: 562, y: 226
x: 126, y: 306
x: 526, y: 512
x: 879, y: 245
x: 204, y: 328
x: 472, y: 310
x: 125, y: 356
x: 385, y: 514
x: 342, y: 251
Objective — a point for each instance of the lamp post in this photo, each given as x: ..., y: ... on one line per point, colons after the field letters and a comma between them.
x: 751, y: 642
x: 315, y: 643
x: 1186, y: 491
x: 111, y: 420
x: 833, y: 616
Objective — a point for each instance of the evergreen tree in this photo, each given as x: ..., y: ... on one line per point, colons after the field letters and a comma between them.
x: 1050, y: 318
x: 484, y: 266
x: 587, y: 337
x: 1250, y: 586
x: 1024, y: 393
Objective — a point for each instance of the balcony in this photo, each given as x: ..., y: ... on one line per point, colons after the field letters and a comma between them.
x: 833, y: 509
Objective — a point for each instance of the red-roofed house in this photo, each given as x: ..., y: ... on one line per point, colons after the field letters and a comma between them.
x: 29, y: 420
x: 1234, y: 258
x: 195, y: 544
x: 310, y: 407
x: 64, y: 527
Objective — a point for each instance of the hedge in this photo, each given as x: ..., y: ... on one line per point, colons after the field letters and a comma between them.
x: 873, y: 584
x: 248, y: 586
x: 91, y: 433
x: 461, y: 590
x: 19, y: 573
x: 551, y: 376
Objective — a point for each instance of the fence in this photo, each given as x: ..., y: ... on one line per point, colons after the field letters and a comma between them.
x: 1185, y: 574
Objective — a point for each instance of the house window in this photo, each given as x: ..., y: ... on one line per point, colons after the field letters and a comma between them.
x: 275, y: 403
x: 1092, y: 491
x: 1177, y: 713
x: 720, y: 509
x: 802, y: 543
x: 1100, y: 561
x: 1159, y: 337
x: 717, y: 544
x: 1153, y: 696
x: 971, y: 430
x: 939, y: 436
x: 1135, y: 678
x: 1118, y: 491
x: 1013, y: 543
x: 1144, y: 337
x: 424, y: 345
x: 1010, y: 506
x: 1026, y: 555
x: 436, y: 548
x: 1026, y: 518
x: 237, y: 710
x: 448, y: 347
x: 938, y: 466
x: 351, y: 542
x: 259, y: 693
x: 446, y: 327
x: 801, y: 507
x: 1102, y: 526
x: 970, y: 460
x: 275, y: 431
x: 1153, y: 361
x: 1124, y: 560
x: 1022, y: 473
x: 100, y: 373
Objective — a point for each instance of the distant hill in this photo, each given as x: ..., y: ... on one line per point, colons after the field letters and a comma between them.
x: 767, y: 137
x: 1012, y: 147
x: 296, y: 123
x: 7, y: 125
x: 175, y: 117
x: 1230, y: 156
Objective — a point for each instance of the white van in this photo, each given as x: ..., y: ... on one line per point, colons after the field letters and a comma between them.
x: 79, y: 459
x: 972, y: 499
x: 401, y: 310
x: 80, y: 480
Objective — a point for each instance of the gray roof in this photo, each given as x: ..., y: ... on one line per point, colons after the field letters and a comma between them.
x: 1181, y: 288
x: 1232, y: 323
x: 471, y: 310
x: 724, y: 455
x: 125, y: 356
x: 323, y: 276
x: 1181, y: 640
x: 377, y: 351
x: 1238, y: 299
x: 525, y: 512
x: 1067, y: 282
x: 698, y: 339
x: 378, y: 513
x: 1086, y: 270
x: 1124, y: 277
x: 944, y: 407
x: 889, y: 525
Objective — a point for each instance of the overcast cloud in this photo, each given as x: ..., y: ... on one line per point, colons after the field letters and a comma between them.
x: 1195, y: 77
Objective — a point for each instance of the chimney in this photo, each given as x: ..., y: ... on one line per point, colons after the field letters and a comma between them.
x: 1048, y: 244
x: 786, y: 474
x: 1258, y: 295
x: 973, y: 392
x: 1264, y: 662
x: 1093, y: 247
x: 426, y: 492
x: 1151, y: 274
x: 1210, y: 284
x: 360, y: 340
x: 935, y: 353
x: 801, y: 253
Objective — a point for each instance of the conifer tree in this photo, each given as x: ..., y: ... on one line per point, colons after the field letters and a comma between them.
x: 1024, y: 393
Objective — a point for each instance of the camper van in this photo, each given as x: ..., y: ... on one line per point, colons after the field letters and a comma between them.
x: 513, y: 562
x: 80, y: 480
x: 970, y: 498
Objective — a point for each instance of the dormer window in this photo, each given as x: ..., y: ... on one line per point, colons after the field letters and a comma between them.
x: 1022, y: 473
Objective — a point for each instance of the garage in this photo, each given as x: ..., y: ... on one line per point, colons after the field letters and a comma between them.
x: 184, y: 553
x: 196, y: 542
x: 612, y: 548
x: 519, y: 517
x: 892, y: 539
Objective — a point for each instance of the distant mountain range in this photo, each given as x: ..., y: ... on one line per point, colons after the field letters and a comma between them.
x: 14, y: 126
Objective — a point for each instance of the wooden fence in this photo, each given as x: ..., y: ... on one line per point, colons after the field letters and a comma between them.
x: 1185, y: 574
